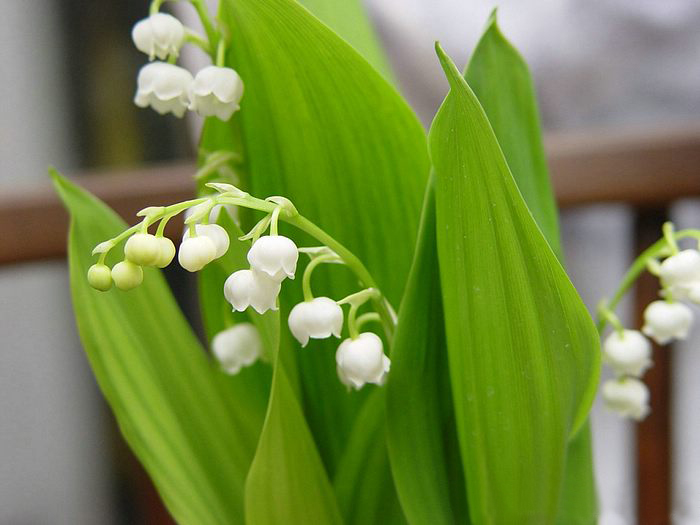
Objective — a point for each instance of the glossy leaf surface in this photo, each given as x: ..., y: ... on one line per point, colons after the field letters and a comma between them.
x: 523, y: 351
x: 177, y: 411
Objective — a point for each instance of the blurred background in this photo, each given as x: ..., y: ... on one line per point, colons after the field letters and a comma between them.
x: 611, y: 69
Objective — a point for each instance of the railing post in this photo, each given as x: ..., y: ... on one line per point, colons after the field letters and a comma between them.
x: 653, y: 434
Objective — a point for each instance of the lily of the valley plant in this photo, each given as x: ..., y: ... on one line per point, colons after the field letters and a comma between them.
x: 390, y: 335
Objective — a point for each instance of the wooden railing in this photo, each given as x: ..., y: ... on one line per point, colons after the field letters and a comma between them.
x: 648, y: 171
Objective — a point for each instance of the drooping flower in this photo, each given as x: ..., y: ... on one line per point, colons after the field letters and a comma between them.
x: 196, y: 252
x: 362, y: 360
x: 664, y: 321
x: 627, y: 396
x: 246, y: 288
x: 159, y: 35
x: 237, y: 347
x: 142, y: 249
x: 216, y: 92
x: 166, y: 252
x: 164, y: 87
x: 127, y: 275
x: 100, y: 277
x: 628, y: 353
x: 680, y: 275
x: 216, y: 233
x: 274, y: 255
x: 316, y: 319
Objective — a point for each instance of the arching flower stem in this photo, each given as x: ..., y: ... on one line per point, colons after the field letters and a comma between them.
x: 660, y: 248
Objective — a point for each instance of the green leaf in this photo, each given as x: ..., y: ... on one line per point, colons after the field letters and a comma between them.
x: 501, y: 81
x: 363, y: 482
x: 323, y: 128
x: 349, y: 20
x: 177, y: 411
x: 287, y: 482
x: 523, y: 351
x: 418, y: 404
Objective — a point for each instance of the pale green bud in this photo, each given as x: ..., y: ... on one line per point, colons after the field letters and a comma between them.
x: 142, y: 249
x: 127, y: 275
x: 100, y: 277
x: 167, y: 252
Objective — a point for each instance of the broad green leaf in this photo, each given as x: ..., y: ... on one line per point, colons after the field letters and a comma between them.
x: 523, y: 351
x: 418, y: 404
x: 287, y: 482
x: 349, y: 20
x: 177, y: 411
x: 501, y: 81
x: 320, y: 126
x: 363, y: 481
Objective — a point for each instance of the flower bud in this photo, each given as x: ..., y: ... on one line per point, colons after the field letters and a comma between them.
x: 165, y: 253
x: 164, y: 87
x: 317, y: 319
x: 680, y: 269
x: 216, y: 233
x: 275, y: 255
x: 246, y: 288
x: 362, y: 360
x: 237, y: 347
x: 196, y: 252
x: 127, y: 275
x: 216, y: 92
x: 142, y: 249
x: 159, y: 35
x: 628, y: 396
x: 664, y: 321
x: 100, y: 277
x: 628, y: 353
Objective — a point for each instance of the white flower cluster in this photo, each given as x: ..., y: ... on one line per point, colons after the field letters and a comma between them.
x: 272, y: 259
x: 168, y: 88
x: 628, y: 352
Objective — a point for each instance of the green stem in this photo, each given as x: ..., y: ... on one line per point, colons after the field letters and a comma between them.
x: 352, y: 322
x: 306, y: 279
x: 274, y: 219
x: 658, y: 249
x: 221, y: 53
x: 203, y: 12
x: 198, y: 40
x: 368, y: 318
x: 155, y: 7
x: 667, y: 229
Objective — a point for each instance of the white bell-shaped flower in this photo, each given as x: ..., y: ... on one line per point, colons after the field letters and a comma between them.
x: 127, y: 275
x: 693, y: 292
x: 629, y: 397
x: 316, y: 319
x: 362, y: 360
x: 216, y: 92
x: 166, y: 252
x: 664, y: 321
x: 246, y: 288
x: 100, y: 277
x: 142, y: 249
x: 274, y: 255
x: 159, y: 35
x: 628, y: 353
x: 164, y: 87
x: 680, y: 269
x: 237, y: 347
x: 216, y: 233
x: 196, y: 252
